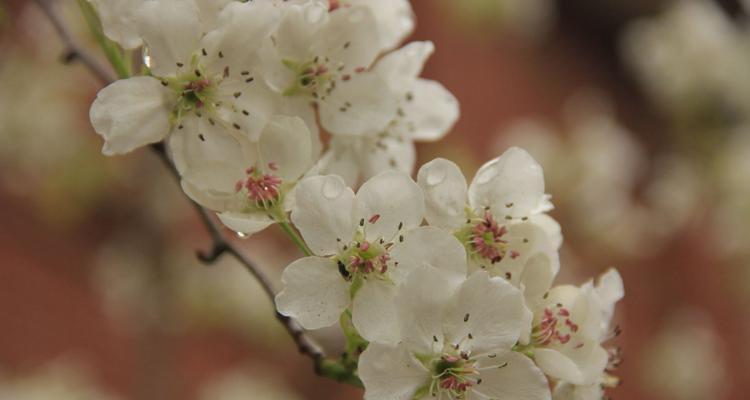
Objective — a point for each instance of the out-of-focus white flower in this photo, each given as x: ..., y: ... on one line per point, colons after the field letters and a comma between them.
x: 595, y: 173
x: 456, y: 340
x: 320, y: 59
x: 59, y: 380
x: 247, y: 183
x: 733, y: 208
x: 196, y: 77
x: 669, y: 55
x: 365, y: 245
x: 499, y: 217
x: 426, y: 112
x: 529, y: 18
x: 671, y: 363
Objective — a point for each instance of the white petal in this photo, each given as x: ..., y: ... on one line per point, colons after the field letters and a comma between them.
x: 581, y: 366
x: 421, y: 301
x: 117, y: 18
x: 301, y: 107
x: 362, y: 105
x: 515, y: 179
x: 342, y: 159
x: 387, y: 153
x: 444, y: 188
x: 515, y: 377
x: 247, y: 105
x: 550, y: 226
x: 246, y: 223
x: 374, y: 312
x: 390, y: 373
x: 323, y: 212
x: 395, y: 19
x: 488, y: 309
x: 537, y: 276
x: 567, y: 391
x: 242, y: 29
x: 131, y: 113
x: 395, y: 198
x: 429, y: 247
x: 172, y: 30
x: 354, y: 25
x: 210, y: 151
x: 314, y: 292
x: 400, y: 68
x: 286, y: 143
x: 210, y: 11
x: 429, y: 110
x: 610, y: 287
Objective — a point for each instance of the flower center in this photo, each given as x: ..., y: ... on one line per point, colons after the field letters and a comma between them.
x: 485, y: 239
x: 453, y: 375
x: 365, y: 258
x: 262, y: 189
x: 555, y: 327
x: 318, y: 77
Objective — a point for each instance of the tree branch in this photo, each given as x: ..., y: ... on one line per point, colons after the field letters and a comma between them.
x: 73, y: 51
x: 220, y: 244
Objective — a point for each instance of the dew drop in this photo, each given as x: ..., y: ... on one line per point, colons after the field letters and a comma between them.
x: 241, y: 235
x: 332, y: 189
x: 436, y: 175
x: 146, y: 54
x: 487, y: 175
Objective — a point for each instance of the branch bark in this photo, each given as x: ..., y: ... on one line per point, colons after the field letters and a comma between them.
x: 220, y: 244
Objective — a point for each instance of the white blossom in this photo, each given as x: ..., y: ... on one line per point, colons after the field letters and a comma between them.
x: 570, y: 327
x: 319, y: 59
x: 499, y: 217
x: 426, y: 111
x: 248, y: 183
x: 456, y: 340
x: 193, y: 75
x: 364, y: 246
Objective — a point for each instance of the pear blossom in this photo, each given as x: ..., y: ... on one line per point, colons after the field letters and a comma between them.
x: 319, y: 59
x: 364, y: 244
x: 426, y: 111
x: 499, y: 217
x: 456, y: 340
x: 570, y: 326
x: 247, y: 183
x: 192, y: 75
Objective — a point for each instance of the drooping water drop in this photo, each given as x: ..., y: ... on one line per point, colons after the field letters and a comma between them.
x: 241, y: 235
x: 436, y: 175
x: 487, y: 174
x: 146, y: 54
x: 332, y: 188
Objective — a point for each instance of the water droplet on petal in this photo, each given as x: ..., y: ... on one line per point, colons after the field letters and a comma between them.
x: 241, y: 235
x: 487, y: 175
x: 436, y: 175
x: 146, y: 54
x: 332, y: 188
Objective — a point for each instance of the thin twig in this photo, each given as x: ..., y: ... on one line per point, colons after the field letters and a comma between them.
x: 220, y: 244
x: 73, y: 51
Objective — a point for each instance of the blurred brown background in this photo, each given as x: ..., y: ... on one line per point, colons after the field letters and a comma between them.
x: 640, y: 127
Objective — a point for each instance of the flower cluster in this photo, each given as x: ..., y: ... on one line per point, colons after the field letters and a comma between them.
x: 445, y: 287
